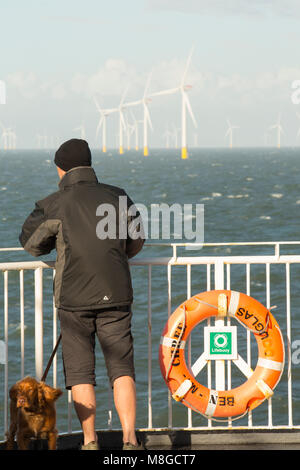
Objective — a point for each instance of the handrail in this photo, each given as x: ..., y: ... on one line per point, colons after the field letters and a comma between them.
x: 204, y: 244
x: 165, y: 261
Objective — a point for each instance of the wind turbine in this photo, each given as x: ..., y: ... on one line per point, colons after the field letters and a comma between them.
x: 279, y: 131
x: 5, y: 136
x: 146, y: 120
x: 230, y: 133
x: 122, y: 124
x: 167, y: 136
x: 146, y: 115
x: 2, y: 92
x: 135, y: 128
x: 298, y: 133
x: 102, y: 123
x: 81, y: 128
x: 130, y: 128
x: 175, y: 135
x: 185, y: 104
x: 12, y: 139
x: 39, y: 140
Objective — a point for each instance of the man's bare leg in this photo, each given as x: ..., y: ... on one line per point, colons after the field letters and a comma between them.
x: 84, y: 399
x: 125, y: 403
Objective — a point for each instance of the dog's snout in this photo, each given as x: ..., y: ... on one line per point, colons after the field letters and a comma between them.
x: 21, y: 401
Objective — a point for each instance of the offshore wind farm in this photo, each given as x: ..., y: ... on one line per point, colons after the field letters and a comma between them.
x: 130, y: 121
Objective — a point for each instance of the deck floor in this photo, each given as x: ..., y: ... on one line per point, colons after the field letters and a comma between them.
x: 183, y: 440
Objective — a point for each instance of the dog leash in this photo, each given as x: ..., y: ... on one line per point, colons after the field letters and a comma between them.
x: 50, y: 360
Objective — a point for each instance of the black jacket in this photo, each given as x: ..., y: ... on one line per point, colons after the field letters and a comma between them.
x: 91, y: 272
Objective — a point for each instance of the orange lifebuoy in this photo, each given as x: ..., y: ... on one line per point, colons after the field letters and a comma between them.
x: 260, y: 383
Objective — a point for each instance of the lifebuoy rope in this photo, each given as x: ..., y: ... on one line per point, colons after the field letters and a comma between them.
x: 177, y: 344
x: 247, y: 328
x: 225, y: 420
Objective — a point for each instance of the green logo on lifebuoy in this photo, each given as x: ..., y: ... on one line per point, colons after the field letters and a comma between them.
x: 220, y: 343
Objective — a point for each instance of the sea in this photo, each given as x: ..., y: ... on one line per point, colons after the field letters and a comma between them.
x: 247, y: 195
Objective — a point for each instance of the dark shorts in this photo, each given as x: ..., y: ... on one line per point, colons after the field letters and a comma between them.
x: 113, y: 329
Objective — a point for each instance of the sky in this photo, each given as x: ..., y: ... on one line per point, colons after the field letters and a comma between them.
x: 56, y: 56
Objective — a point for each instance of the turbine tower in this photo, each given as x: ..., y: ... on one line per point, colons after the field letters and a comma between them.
x: 298, y: 133
x: 147, y: 119
x: 12, y: 139
x: 279, y: 131
x: 2, y: 92
x: 230, y: 133
x: 5, y: 136
x: 122, y: 124
x: 167, y: 136
x: 185, y: 105
x: 135, y: 127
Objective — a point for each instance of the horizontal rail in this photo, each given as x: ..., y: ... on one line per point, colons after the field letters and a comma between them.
x: 204, y: 244
x: 165, y: 261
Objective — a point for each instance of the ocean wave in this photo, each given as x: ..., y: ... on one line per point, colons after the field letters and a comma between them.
x: 13, y: 327
x: 277, y: 195
x: 237, y: 196
x: 265, y: 217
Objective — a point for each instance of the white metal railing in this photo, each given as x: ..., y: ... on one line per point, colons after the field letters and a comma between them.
x: 218, y: 266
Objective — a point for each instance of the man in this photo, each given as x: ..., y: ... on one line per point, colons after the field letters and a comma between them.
x: 92, y: 288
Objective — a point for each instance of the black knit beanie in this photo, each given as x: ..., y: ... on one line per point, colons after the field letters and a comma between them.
x: 73, y: 153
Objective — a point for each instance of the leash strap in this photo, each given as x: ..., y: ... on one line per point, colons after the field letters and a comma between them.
x: 50, y: 360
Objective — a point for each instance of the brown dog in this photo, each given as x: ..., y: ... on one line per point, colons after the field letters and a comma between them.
x: 32, y: 413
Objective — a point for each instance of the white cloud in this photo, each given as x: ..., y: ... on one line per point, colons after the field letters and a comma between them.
x: 58, y: 91
x: 29, y: 86
x: 109, y: 80
x: 25, y: 83
x: 255, y: 8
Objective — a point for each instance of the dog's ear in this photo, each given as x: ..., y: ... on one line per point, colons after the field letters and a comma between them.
x: 49, y: 393
x: 13, y: 391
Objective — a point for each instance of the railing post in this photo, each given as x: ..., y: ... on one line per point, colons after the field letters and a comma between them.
x: 38, y: 295
x: 219, y: 285
x: 6, y: 351
x: 149, y: 347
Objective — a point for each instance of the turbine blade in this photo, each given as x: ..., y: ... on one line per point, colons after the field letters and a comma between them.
x: 148, y: 117
x: 166, y: 92
x: 132, y: 103
x: 147, y: 84
x: 122, y: 120
x: 99, y: 126
x: 187, y: 66
x: 187, y: 101
x: 109, y: 111
x: 97, y: 104
x: 123, y: 96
